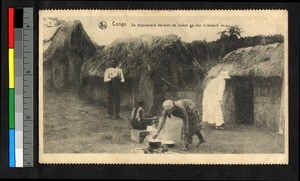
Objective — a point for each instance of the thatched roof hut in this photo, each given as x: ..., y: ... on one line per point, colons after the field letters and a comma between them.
x: 259, y: 61
x: 152, y: 65
x: 66, y: 51
x: 255, y: 91
x: 142, y: 54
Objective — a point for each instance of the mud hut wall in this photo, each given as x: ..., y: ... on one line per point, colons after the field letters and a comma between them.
x: 47, y: 76
x: 159, y: 95
x: 71, y: 64
x: 75, y: 63
x: 127, y: 94
x: 199, y: 99
x: 192, y: 95
x: 93, y: 90
x: 97, y: 91
x: 72, y: 69
x: 145, y: 92
x: 59, y: 75
x: 267, y: 100
x: 132, y: 91
x: 70, y: 47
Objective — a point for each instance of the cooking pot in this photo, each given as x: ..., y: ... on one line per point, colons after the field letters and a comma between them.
x: 154, y: 144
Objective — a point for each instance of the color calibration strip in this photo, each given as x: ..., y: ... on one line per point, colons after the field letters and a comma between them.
x: 11, y: 77
x: 20, y: 33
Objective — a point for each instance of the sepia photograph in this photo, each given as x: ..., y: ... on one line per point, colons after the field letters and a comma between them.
x: 163, y: 86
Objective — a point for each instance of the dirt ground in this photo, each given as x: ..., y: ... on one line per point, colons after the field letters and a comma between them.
x: 74, y: 126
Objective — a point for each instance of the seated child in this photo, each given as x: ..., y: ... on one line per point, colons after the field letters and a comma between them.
x: 138, y: 121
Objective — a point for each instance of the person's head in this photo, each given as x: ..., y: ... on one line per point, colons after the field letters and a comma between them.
x: 224, y: 75
x: 113, y: 63
x: 168, y: 106
x: 140, y: 104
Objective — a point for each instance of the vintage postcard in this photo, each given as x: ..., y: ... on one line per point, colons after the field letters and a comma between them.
x: 163, y: 86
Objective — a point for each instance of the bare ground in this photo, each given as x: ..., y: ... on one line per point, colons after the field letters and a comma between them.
x: 74, y: 126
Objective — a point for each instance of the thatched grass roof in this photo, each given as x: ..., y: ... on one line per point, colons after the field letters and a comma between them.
x: 142, y: 54
x: 70, y: 37
x: 259, y: 61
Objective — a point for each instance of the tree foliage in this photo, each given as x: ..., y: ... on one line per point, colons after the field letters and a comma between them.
x: 232, y: 32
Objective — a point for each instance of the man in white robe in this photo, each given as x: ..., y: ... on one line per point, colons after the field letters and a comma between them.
x: 212, y: 100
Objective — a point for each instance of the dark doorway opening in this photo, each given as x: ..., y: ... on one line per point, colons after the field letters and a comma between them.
x: 244, y: 104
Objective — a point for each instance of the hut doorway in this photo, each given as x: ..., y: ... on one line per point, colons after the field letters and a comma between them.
x: 244, y: 101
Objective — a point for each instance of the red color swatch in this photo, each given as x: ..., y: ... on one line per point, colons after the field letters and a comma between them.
x: 11, y: 32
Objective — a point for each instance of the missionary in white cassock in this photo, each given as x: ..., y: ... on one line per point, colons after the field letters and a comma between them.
x: 212, y: 100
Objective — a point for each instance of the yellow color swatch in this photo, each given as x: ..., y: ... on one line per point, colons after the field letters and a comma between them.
x: 11, y: 68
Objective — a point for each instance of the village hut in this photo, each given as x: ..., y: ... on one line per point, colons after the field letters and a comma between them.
x: 155, y: 69
x: 255, y: 92
x: 64, y: 53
